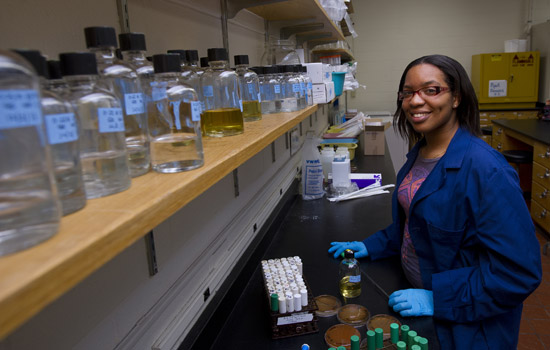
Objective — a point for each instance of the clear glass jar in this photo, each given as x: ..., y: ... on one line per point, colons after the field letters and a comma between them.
x: 122, y: 79
x: 62, y: 135
x: 56, y: 83
x: 276, y: 86
x: 249, y: 85
x: 223, y: 113
x: 350, y: 276
x: 291, y: 89
x: 29, y: 210
x: 280, y: 52
x: 102, y: 140
x: 309, y: 86
x: 174, y: 120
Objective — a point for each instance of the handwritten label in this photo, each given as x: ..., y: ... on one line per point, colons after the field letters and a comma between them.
x: 196, y: 109
x: 355, y: 279
x: 277, y: 89
x: 498, y: 88
x: 158, y: 91
x: 61, y: 128
x: 296, y: 88
x: 134, y: 103
x: 295, y: 318
x: 110, y: 120
x: 208, y: 91
x: 19, y: 108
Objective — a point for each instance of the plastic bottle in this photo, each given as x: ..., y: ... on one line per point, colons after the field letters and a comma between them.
x: 102, y: 140
x: 223, y: 112
x: 62, y: 135
x: 327, y: 156
x: 30, y: 211
x: 174, y: 120
x: 350, y: 276
x: 122, y: 79
x: 249, y: 85
x: 312, y: 170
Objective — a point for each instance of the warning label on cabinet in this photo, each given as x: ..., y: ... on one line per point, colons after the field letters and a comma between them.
x: 523, y: 60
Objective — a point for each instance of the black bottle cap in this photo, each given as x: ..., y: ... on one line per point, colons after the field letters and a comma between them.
x: 204, y: 61
x: 132, y: 42
x: 297, y: 68
x: 78, y: 63
x: 270, y: 69
x: 192, y: 55
x: 287, y: 69
x: 217, y: 54
x: 241, y: 59
x: 349, y: 254
x: 118, y: 54
x: 35, y: 59
x: 179, y: 52
x: 100, y: 37
x: 54, y: 70
x: 149, y: 58
x: 168, y: 62
x: 258, y: 70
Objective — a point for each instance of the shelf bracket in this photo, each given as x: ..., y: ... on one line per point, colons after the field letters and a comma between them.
x: 123, y: 18
x: 236, y: 182
x: 273, y: 157
x: 286, y: 32
x: 234, y: 6
x: 151, y: 253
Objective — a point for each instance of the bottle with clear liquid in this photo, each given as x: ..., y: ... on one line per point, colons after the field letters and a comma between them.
x: 62, y: 135
x: 174, y: 119
x: 30, y: 210
x: 102, y: 139
x: 223, y: 112
x: 56, y: 83
x: 275, y: 86
x: 249, y: 85
x: 350, y: 276
x: 309, y: 86
x: 291, y: 90
x: 122, y: 79
x: 302, y: 102
x: 267, y: 104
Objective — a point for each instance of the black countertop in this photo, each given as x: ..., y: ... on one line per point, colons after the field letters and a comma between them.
x: 538, y: 130
x: 306, y: 231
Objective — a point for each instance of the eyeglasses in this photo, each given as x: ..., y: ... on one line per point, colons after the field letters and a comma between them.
x: 425, y: 92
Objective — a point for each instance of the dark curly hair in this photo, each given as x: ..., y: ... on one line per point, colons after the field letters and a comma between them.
x: 456, y: 77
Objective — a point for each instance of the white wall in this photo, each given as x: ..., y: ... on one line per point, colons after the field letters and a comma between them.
x: 392, y: 33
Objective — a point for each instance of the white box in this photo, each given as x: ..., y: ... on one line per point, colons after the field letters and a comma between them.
x: 329, y: 87
x: 318, y: 72
x: 319, y: 93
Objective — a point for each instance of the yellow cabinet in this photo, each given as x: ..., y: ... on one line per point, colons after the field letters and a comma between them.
x: 506, y: 80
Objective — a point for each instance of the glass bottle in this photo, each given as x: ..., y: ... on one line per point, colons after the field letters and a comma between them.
x: 275, y: 86
x: 222, y: 114
x: 102, y: 139
x: 62, y: 135
x: 249, y: 85
x: 56, y: 83
x: 174, y: 119
x: 122, y: 79
x: 30, y: 211
x: 189, y: 74
x: 350, y: 276
x: 302, y: 102
x: 309, y: 86
x: 267, y: 103
x: 291, y: 89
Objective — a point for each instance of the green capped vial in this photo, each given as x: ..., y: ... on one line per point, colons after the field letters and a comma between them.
x: 379, y: 336
x: 371, y: 341
x: 401, y: 345
x: 394, y: 332
x: 355, y: 343
x: 404, y: 333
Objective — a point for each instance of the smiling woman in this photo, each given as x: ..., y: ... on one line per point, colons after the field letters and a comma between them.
x: 470, y: 263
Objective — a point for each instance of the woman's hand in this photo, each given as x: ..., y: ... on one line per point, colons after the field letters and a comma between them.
x: 412, y: 302
x: 358, y: 247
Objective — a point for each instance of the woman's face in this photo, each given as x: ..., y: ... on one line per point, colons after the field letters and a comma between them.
x: 429, y: 114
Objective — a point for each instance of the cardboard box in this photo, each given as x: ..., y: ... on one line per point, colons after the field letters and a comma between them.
x: 373, y: 138
x: 318, y: 72
x: 323, y: 93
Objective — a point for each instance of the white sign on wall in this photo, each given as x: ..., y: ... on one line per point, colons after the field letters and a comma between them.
x: 498, y: 88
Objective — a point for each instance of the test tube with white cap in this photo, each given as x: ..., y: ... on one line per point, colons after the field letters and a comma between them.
x: 303, y: 293
x: 297, y: 302
x: 282, y: 304
x: 290, y: 303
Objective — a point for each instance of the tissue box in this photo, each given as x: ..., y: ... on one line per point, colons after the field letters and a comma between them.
x: 318, y: 72
x: 373, y: 138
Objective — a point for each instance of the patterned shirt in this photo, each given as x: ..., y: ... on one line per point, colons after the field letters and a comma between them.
x: 411, y: 183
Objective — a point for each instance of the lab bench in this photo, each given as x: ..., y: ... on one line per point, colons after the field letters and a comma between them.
x: 305, y: 229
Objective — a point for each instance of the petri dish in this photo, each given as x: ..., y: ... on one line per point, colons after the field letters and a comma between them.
x: 354, y: 315
x: 382, y: 321
x: 327, y: 305
x: 340, y: 335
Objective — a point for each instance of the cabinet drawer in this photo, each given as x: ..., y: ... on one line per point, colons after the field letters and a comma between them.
x: 541, y: 154
x: 541, y: 195
x: 541, y: 175
x: 528, y: 115
x: 540, y: 215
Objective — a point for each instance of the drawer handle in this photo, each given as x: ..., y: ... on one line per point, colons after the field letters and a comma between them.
x: 499, y: 131
x: 547, y: 155
x: 546, y: 175
x: 499, y: 146
x: 542, y: 214
x: 543, y: 194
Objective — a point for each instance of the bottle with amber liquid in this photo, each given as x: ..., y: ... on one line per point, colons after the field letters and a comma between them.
x: 350, y: 276
x: 223, y: 110
x: 249, y: 83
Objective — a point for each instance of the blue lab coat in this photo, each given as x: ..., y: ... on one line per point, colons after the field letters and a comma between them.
x: 475, y: 242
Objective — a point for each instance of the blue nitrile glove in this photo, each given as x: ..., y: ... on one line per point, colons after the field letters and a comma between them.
x: 358, y: 247
x: 412, y: 302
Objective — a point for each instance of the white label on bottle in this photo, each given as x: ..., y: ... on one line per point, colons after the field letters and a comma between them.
x: 134, y: 103
x: 277, y: 89
x: 110, y: 120
x: 355, y: 279
x: 313, y: 178
x: 61, y: 128
x: 176, y: 111
x: 208, y: 91
x: 295, y: 87
x: 251, y: 89
x: 158, y: 91
x: 295, y: 318
x: 196, y: 109
x: 19, y: 108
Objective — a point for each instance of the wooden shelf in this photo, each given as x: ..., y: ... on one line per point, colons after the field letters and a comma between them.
x: 346, y: 55
x: 298, y: 10
x: 33, y: 278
